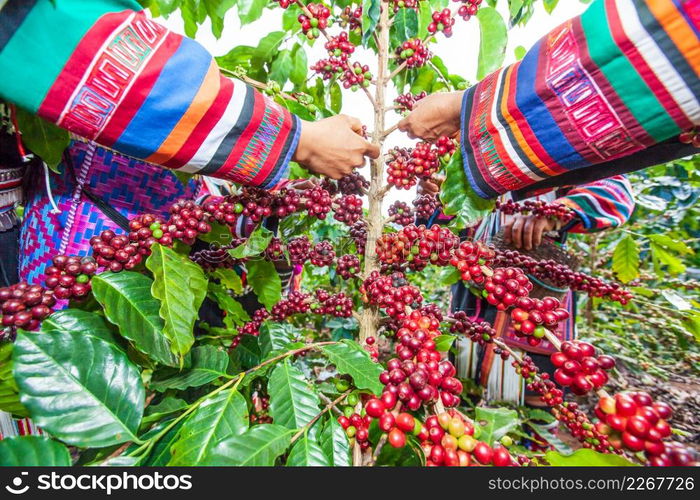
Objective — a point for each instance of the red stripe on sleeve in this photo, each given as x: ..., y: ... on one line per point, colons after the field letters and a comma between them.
x: 204, y: 127
x: 139, y: 91
x: 242, y: 143
x: 78, y: 63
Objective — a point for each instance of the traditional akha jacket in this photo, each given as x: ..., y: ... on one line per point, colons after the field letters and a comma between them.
x: 604, y: 93
x: 105, y: 71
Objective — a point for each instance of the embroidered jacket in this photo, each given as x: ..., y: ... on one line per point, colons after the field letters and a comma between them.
x: 604, y: 93
x: 105, y: 71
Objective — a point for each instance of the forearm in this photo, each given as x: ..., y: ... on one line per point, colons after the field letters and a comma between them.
x: 621, y: 78
x: 146, y: 92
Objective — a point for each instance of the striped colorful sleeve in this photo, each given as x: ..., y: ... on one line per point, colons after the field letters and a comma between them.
x: 620, y: 78
x: 601, y: 204
x: 107, y: 72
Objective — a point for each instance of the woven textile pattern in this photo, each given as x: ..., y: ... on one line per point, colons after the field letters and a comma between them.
x: 130, y: 186
x: 622, y: 77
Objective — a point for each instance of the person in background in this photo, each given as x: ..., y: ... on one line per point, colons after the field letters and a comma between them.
x: 597, y: 206
x: 613, y: 90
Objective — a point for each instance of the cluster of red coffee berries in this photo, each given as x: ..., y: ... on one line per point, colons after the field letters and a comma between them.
x: 425, y: 205
x: 581, y: 427
x: 353, y: 183
x: 285, y: 3
x: 223, y: 211
x: 115, y: 252
x: 425, y: 160
x: 445, y: 147
x: 351, y: 18
x: 447, y: 439
x: 187, y: 221
x: 633, y: 420
x: 295, y: 303
x: 147, y: 229
x: 468, y: 8
x: 348, y: 209
x: 358, y: 233
x: 418, y: 246
x: 391, y: 293
x: 400, y: 168
x: 285, y: 202
x: 317, y: 202
x: 413, y: 52
x: 540, y: 383
x: 252, y: 327
x: 442, y: 21
x: 538, y: 208
x: 406, y: 102
x: 356, y: 76
x: 214, y: 257
x: 275, y: 250
x: 340, y: 47
x: 531, y: 317
x: 401, y: 213
x: 322, y: 254
x: 503, y: 288
x: 356, y: 428
x: 338, y: 305
x: 256, y: 202
x: 690, y: 137
x: 69, y: 277
x: 348, y: 266
x: 25, y: 306
x: 312, y: 26
x: 473, y: 260
x: 480, y: 332
x: 299, y: 249
x: 561, y: 275
x: 417, y: 375
x: 329, y: 68
x: 579, y: 368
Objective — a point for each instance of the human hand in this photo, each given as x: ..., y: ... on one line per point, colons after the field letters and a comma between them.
x: 333, y: 147
x: 525, y: 231
x: 430, y: 186
x: 433, y: 116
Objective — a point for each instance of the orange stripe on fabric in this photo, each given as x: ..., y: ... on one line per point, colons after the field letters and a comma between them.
x: 509, y: 173
x: 516, y: 129
x: 198, y: 108
x: 678, y: 30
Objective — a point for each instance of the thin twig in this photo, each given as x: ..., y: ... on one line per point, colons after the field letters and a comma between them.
x: 286, y: 355
x: 382, y: 192
x: 369, y: 96
x: 327, y: 400
x: 398, y: 70
x: 328, y: 408
x: 391, y: 129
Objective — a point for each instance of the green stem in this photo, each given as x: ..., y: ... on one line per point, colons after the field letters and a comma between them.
x: 145, y: 448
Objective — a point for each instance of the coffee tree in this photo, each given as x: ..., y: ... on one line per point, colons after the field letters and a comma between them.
x: 350, y: 368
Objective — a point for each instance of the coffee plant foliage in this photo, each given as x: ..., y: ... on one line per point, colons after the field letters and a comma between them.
x: 349, y: 366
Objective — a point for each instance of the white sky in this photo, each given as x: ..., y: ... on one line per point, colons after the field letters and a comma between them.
x: 459, y: 53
